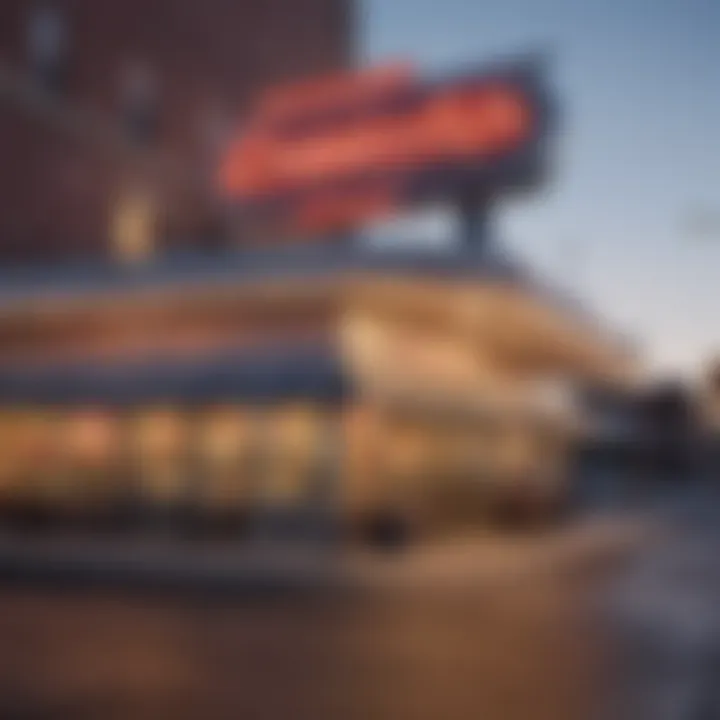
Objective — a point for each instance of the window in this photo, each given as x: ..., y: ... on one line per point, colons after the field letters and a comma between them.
x: 296, y: 433
x: 91, y: 459
x: 133, y: 224
x: 226, y: 436
x: 162, y: 446
x: 47, y: 47
x: 30, y: 449
x: 139, y: 102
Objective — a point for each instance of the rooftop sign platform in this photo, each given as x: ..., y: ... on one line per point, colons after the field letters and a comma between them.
x: 330, y: 154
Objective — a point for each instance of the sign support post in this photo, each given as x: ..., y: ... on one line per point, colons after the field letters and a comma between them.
x: 473, y: 212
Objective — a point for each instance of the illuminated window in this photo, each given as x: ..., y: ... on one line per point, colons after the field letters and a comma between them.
x: 29, y: 451
x: 225, y: 446
x: 134, y: 225
x: 296, y: 439
x: 91, y: 457
x: 162, y: 454
x: 13, y: 455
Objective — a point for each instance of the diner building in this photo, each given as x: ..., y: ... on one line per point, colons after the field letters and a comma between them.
x: 367, y: 382
x: 155, y: 373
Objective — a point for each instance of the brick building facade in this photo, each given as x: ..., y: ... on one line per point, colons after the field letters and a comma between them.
x: 105, y: 100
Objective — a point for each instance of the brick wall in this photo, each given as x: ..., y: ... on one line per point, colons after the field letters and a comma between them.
x: 208, y: 60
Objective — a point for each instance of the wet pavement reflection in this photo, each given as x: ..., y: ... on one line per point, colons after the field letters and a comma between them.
x: 560, y: 625
x: 510, y: 650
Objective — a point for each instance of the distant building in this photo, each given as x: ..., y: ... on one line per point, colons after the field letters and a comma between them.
x: 708, y: 397
x: 87, y: 80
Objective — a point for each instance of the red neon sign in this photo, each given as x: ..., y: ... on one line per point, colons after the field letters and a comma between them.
x: 318, y: 140
x: 450, y: 127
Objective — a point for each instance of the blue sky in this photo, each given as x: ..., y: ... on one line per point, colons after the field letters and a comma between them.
x: 639, y: 86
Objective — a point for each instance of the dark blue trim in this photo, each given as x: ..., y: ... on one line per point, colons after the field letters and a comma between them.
x: 269, y: 376
x: 243, y: 266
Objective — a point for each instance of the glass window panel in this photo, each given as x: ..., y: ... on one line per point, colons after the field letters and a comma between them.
x: 295, y: 436
x: 225, y: 444
x: 90, y: 459
x: 29, y: 446
x: 162, y: 439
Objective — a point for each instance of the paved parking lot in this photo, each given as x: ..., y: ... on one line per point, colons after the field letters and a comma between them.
x: 491, y: 628
x: 615, y: 615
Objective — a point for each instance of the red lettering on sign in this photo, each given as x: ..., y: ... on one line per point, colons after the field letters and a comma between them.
x: 451, y: 127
